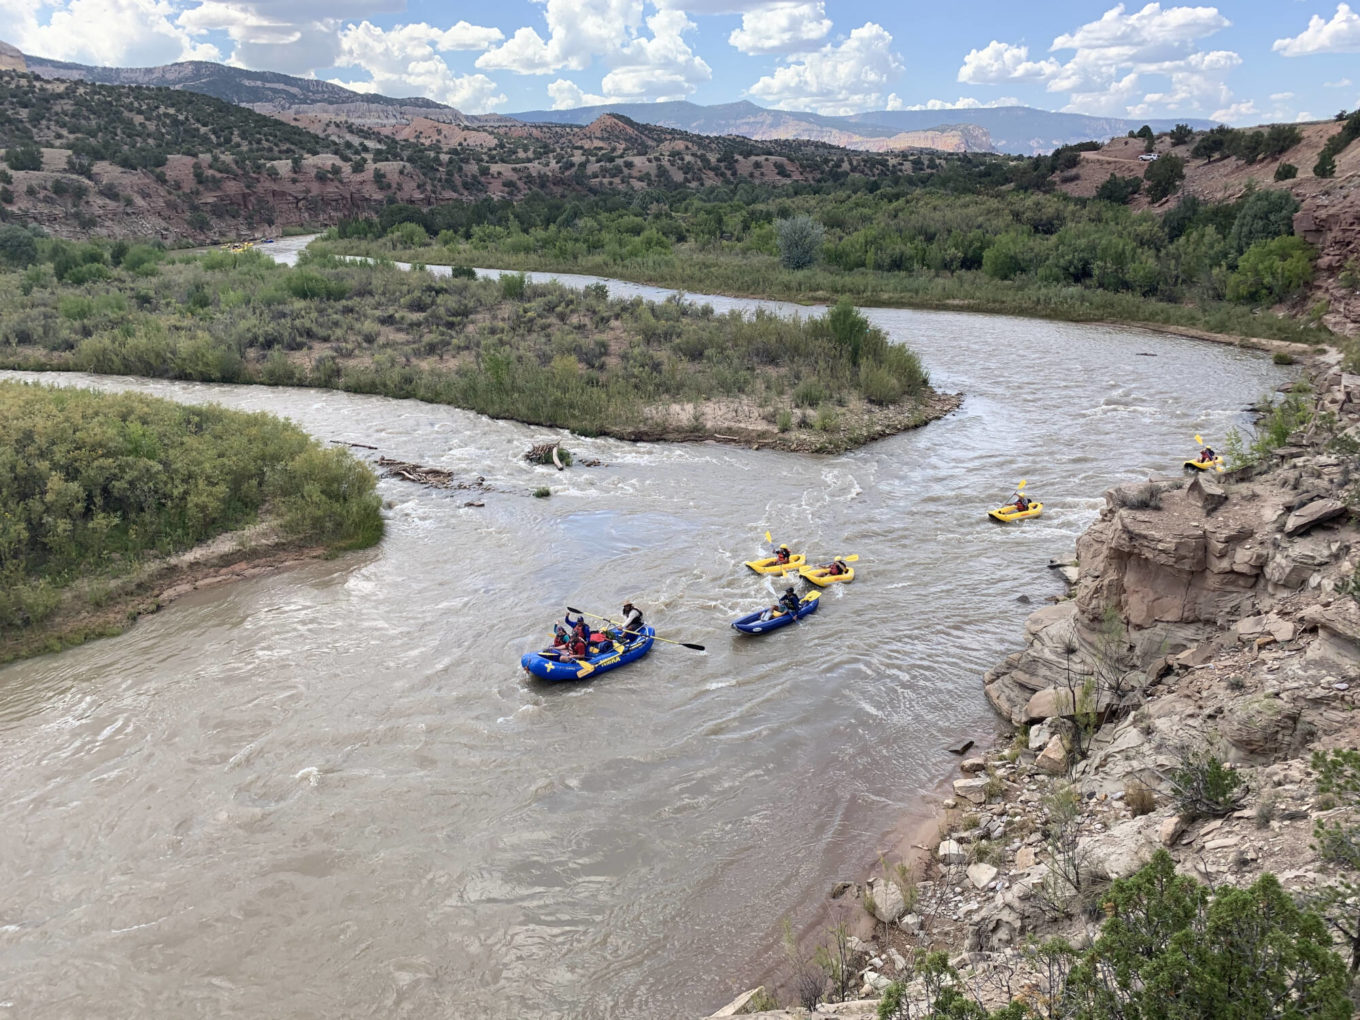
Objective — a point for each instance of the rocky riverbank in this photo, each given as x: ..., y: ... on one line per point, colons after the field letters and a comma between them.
x: 1211, y: 618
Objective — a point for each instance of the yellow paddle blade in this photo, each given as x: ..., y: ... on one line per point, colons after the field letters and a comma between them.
x: 849, y: 559
x: 1021, y: 485
x: 585, y: 669
x: 1198, y: 439
x: 767, y: 537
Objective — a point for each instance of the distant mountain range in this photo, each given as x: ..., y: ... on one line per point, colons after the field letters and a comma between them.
x: 1013, y: 129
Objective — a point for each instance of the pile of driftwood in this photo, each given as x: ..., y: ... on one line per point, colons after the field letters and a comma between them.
x: 552, y: 453
x: 545, y: 453
x: 437, y: 477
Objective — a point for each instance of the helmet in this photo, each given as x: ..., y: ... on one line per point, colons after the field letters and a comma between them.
x: 788, y: 590
x: 784, y: 547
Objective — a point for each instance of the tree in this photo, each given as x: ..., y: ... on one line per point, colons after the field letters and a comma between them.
x: 17, y: 247
x: 1263, y: 215
x: 1286, y: 172
x: 24, y: 156
x: 1118, y: 189
x: 1337, y: 840
x: 1270, y: 271
x: 1164, y: 176
x: 1181, y: 133
x: 1170, y: 949
x: 800, y: 241
x: 1325, y: 165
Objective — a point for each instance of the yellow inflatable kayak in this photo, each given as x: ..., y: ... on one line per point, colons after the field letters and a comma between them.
x: 1009, y: 513
x: 770, y: 565
x: 821, y: 577
x: 1205, y: 465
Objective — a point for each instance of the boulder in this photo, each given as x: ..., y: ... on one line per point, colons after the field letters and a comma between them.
x: 1053, y: 760
x: 1119, y: 851
x: 1337, y: 646
x: 974, y: 790
x: 888, y: 902
x: 1316, y: 512
x: 1039, y: 736
x: 1260, y: 727
x: 951, y: 852
x: 974, y: 765
x: 1025, y: 858
x: 1170, y: 830
x: 1206, y: 493
x: 909, y: 922
x: 981, y: 875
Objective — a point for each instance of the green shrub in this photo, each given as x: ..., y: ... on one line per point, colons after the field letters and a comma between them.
x: 1271, y: 271
x: 1286, y: 172
x: 800, y: 241
x: 1204, y: 786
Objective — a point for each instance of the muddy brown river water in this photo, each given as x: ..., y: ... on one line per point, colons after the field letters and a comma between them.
x: 333, y: 793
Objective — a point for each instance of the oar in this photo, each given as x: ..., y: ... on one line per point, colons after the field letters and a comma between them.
x: 686, y: 644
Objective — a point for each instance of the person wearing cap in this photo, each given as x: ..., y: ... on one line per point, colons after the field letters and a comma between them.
x: 782, y: 554
x: 788, y: 603
x: 632, y: 620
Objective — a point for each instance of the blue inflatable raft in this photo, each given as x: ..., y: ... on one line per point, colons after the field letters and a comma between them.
x: 546, y: 666
x: 752, y: 623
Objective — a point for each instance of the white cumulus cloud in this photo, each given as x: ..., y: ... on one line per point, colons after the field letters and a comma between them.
x: 846, y: 77
x: 292, y: 36
x: 962, y: 103
x: 404, y: 61
x: 578, y: 32
x: 998, y: 61
x: 1126, y: 63
x: 782, y: 28
x: 1339, y: 35
x: 136, y: 33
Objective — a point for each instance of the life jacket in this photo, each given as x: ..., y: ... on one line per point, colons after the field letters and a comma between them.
x: 789, y: 602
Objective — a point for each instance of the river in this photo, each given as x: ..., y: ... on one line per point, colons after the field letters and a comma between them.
x: 332, y: 792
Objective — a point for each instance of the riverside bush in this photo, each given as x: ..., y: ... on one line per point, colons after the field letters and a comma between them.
x: 1168, y: 947
x: 95, y: 481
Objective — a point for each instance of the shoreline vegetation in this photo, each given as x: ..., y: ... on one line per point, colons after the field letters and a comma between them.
x: 961, y: 242
x: 543, y: 354
x: 113, y: 504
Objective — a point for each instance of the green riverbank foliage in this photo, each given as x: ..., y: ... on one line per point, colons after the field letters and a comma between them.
x: 1168, y: 948
x: 540, y: 353
x: 962, y: 237
x: 92, y: 483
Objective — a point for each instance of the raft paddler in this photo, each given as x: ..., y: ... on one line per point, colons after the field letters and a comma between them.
x: 632, y: 621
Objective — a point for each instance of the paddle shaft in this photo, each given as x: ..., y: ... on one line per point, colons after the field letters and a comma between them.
x: 657, y: 637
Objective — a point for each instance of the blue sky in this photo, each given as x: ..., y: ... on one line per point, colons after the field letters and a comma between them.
x: 1242, y: 63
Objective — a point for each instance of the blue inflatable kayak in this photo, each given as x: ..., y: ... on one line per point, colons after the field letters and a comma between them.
x: 752, y: 623
x: 546, y: 666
